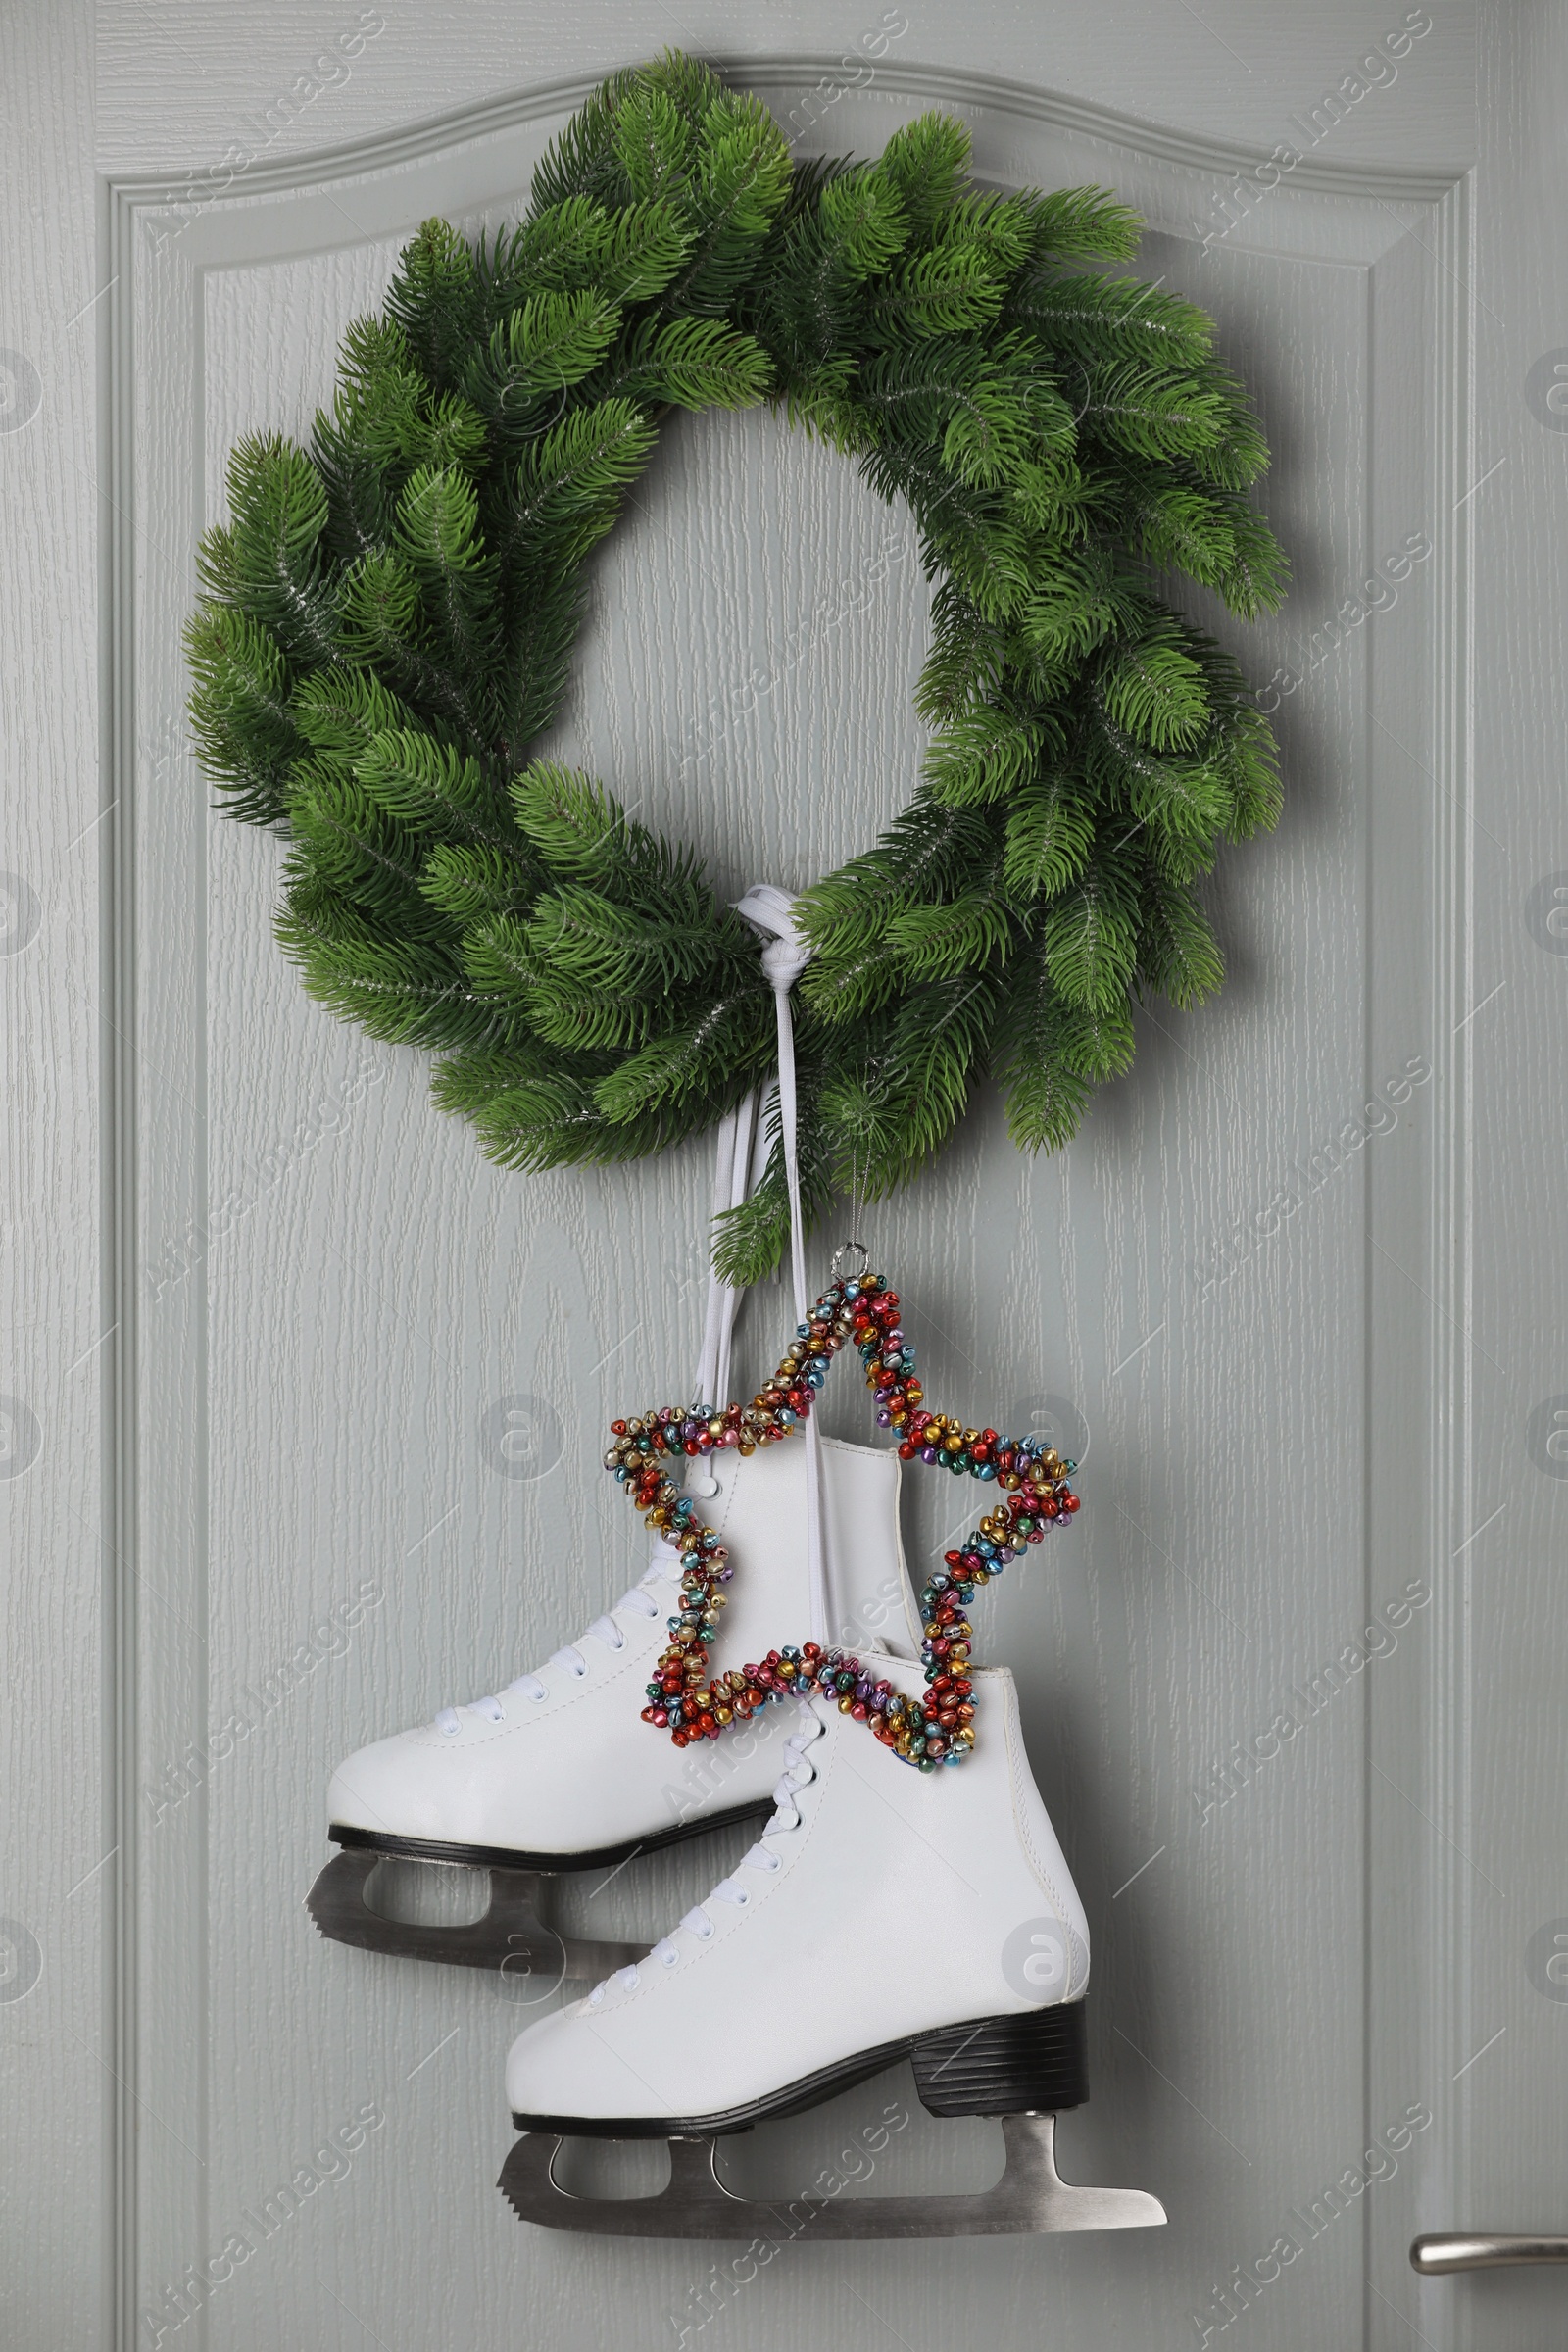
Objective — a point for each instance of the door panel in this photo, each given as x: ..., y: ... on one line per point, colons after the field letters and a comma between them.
x: 1249, y: 1681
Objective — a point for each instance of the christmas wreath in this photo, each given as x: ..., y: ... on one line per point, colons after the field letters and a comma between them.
x: 388, y: 617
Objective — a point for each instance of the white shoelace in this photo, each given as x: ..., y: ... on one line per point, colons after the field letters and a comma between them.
x: 784, y: 959
x: 640, y: 1601
x: 799, y: 1773
x: 742, y: 1155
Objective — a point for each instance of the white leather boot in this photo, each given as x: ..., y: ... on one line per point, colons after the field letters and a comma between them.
x: 786, y: 1985
x: 560, y: 1772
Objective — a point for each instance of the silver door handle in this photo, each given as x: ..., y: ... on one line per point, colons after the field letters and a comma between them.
x: 1481, y: 2250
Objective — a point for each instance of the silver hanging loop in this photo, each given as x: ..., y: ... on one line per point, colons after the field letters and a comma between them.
x: 837, y: 1260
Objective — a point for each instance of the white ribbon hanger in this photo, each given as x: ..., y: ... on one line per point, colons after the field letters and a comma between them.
x: 784, y: 959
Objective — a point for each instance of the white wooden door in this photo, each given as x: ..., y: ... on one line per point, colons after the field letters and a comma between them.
x: 1295, y: 1690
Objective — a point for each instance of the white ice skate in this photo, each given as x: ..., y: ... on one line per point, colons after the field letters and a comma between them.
x: 788, y: 1984
x: 559, y: 1772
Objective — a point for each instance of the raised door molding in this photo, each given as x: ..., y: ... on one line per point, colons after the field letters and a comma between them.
x: 1379, y: 725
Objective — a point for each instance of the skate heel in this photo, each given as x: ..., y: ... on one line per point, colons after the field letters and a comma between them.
x: 1032, y: 2063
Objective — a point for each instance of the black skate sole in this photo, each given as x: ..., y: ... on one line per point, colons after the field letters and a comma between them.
x: 511, y: 1857
x: 1033, y: 2063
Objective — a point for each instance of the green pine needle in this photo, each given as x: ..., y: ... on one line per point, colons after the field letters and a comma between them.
x: 924, y: 162
x: 1090, y: 936
x: 246, y: 734
x: 1051, y: 833
x: 388, y: 619
x: 986, y: 754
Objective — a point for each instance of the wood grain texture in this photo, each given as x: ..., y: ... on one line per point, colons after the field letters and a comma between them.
x: 371, y: 1289
x: 1301, y: 1390
x: 56, y: 2046
x: 209, y: 82
x: 312, y: 1413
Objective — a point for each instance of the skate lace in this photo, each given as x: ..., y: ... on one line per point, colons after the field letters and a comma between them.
x: 641, y: 1601
x: 799, y: 1773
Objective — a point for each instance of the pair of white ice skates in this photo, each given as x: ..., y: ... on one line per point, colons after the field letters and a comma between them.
x: 882, y: 1913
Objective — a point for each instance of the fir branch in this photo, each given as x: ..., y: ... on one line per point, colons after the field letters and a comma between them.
x: 1082, y: 224
x: 987, y: 752
x: 266, y: 561
x: 433, y: 786
x: 1089, y: 935
x: 432, y: 300
x: 472, y: 885
x: 1095, y: 319
x: 741, y: 181
x: 626, y: 255
x: 1154, y: 689
x: 925, y: 162
x: 734, y: 1033
x: 549, y: 342
x: 567, y: 486
x: 245, y: 731
x: 940, y: 943
x: 688, y: 363
x: 1046, y: 1095
x: 1177, y: 955
x: 1049, y: 833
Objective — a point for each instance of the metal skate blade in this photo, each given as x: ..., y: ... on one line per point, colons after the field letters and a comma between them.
x: 1031, y: 2198
x: 510, y: 1937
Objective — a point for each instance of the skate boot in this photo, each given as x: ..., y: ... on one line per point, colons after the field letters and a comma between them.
x: 562, y: 1770
x: 882, y: 1915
